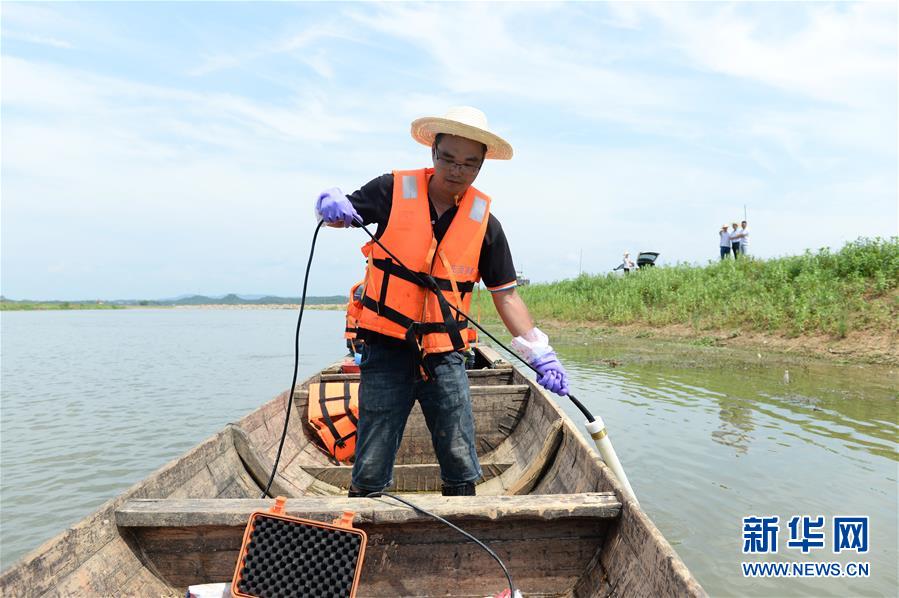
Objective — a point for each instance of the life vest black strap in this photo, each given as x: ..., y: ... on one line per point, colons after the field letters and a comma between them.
x: 412, y: 341
x: 385, y: 280
x: 423, y: 328
x: 418, y: 328
x: 444, y: 284
x: 323, y: 403
x: 449, y: 320
x: 385, y: 311
x: 342, y: 440
x: 347, y: 395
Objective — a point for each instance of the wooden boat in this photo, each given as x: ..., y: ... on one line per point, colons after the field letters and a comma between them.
x: 548, y: 506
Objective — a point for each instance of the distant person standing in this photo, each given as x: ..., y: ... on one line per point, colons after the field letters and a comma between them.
x: 735, y: 240
x: 744, y: 238
x: 724, y: 244
x: 627, y: 264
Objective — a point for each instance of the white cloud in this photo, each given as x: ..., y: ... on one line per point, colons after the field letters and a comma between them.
x: 49, y: 24
x: 843, y: 53
x: 621, y: 143
x: 65, y: 93
x: 815, y: 138
x: 846, y: 60
x: 120, y: 176
x: 39, y: 40
x: 296, y: 43
x: 33, y: 16
x: 491, y: 57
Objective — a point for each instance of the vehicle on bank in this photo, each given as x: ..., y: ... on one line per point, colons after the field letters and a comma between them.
x: 647, y: 258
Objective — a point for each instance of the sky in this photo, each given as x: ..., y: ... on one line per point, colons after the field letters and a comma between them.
x: 151, y: 150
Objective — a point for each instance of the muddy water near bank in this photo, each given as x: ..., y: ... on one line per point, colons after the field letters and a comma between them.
x: 709, y: 436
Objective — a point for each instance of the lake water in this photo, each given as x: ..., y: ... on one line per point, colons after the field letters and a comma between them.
x: 93, y: 401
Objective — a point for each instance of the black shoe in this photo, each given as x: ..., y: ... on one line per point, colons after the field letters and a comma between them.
x: 459, y: 490
x: 356, y: 493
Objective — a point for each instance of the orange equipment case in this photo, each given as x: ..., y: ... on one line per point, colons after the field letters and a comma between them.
x: 289, y: 556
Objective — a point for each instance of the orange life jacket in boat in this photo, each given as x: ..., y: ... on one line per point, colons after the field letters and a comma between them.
x: 394, y: 303
x: 333, y: 411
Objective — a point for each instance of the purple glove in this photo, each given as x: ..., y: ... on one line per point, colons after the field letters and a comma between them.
x: 335, y: 208
x: 551, y: 375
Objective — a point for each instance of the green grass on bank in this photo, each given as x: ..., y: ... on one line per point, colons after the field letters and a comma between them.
x: 824, y: 292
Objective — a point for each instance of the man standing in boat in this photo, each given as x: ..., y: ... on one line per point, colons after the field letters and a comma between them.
x: 437, y: 224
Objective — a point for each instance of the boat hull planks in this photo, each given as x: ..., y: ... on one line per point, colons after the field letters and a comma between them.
x: 548, y: 505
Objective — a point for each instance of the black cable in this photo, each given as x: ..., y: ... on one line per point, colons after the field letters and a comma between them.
x: 455, y: 527
x: 422, y: 282
x: 426, y: 285
x: 296, y: 363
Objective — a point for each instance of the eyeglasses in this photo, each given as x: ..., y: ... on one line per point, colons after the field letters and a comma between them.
x: 468, y: 169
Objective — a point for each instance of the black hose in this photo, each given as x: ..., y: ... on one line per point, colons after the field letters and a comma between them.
x: 296, y: 363
x: 293, y: 384
x: 455, y: 527
x: 425, y: 284
x: 422, y: 282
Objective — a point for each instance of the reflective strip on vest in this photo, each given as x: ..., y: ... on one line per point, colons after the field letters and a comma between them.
x: 478, y: 209
x: 410, y: 187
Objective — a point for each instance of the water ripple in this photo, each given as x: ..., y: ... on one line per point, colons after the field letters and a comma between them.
x: 93, y: 402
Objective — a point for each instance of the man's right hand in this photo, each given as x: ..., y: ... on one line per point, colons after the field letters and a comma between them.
x: 335, y: 209
x: 551, y: 375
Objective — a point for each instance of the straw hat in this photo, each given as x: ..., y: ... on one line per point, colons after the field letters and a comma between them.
x: 462, y: 121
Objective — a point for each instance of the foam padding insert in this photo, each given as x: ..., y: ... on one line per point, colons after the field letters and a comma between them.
x: 288, y: 557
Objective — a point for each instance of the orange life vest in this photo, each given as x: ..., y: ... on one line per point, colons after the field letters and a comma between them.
x: 353, y: 309
x: 354, y: 305
x: 333, y: 411
x: 394, y: 303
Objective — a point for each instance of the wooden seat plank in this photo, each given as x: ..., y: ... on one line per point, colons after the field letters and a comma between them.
x: 407, y: 478
x: 235, y: 512
x: 483, y: 377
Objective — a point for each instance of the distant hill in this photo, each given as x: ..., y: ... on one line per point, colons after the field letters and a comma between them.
x: 230, y: 299
x: 233, y: 299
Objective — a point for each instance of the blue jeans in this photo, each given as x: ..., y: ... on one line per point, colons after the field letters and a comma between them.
x: 387, y: 393
x: 725, y: 251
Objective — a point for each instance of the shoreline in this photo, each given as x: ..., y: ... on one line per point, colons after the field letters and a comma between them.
x: 113, y: 307
x: 856, y: 348
x: 294, y: 306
